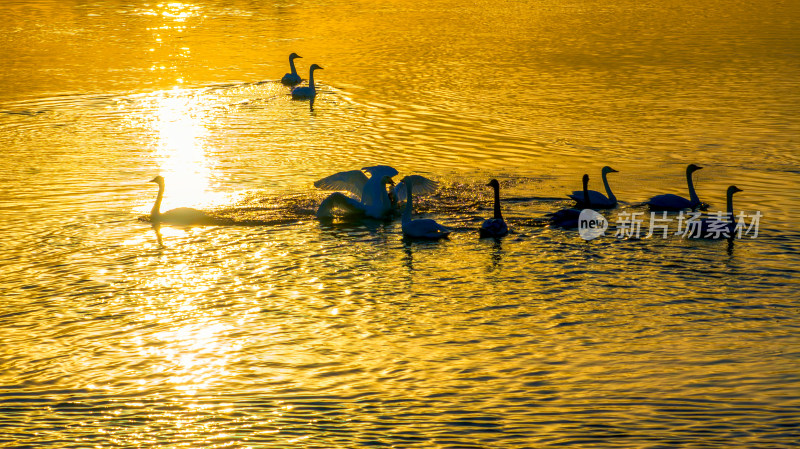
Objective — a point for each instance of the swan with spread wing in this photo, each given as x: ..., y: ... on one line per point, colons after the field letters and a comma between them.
x: 370, y: 195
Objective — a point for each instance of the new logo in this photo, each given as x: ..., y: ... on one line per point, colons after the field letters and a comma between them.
x: 591, y: 224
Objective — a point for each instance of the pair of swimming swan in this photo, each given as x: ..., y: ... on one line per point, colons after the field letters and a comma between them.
x: 372, y: 199
x: 292, y: 79
x: 666, y: 202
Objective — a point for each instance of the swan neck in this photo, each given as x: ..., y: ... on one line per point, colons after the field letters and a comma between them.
x: 608, y: 188
x: 156, y: 212
x: 311, y: 79
x: 409, y: 203
x: 730, y: 205
x: 497, y: 213
x: 692, y: 194
x: 586, y: 201
x: 291, y: 66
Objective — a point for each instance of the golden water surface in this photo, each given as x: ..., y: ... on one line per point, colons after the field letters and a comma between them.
x: 285, y: 331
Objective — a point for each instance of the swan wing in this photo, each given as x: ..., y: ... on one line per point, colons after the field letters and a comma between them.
x: 494, y: 227
x: 380, y: 171
x: 352, y: 181
x: 290, y: 79
x: 668, y: 201
x: 339, y: 201
x: 420, y: 185
x: 596, y: 198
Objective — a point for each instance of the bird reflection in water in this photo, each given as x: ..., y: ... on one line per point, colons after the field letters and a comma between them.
x: 157, y: 230
x: 496, y: 254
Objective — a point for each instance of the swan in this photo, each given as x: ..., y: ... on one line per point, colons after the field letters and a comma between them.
x: 306, y: 92
x: 707, y: 231
x: 181, y: 215
x: 496, y: 226
x: 371, y: 196
x: 425, y: 228
x: 598, y: 200
x: 568, y: 218
x: 292, y: 79
x: 674, y: 202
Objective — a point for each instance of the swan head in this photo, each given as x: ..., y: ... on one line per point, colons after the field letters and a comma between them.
x: 158, y: 180
x: 692, y: 168
x: 294, y: 56
x: 608, y: 169
x: 387, y: 180
x: 494, y: 184
x: 314, y: 67
x: 734, y: 189
x: 585, y: 181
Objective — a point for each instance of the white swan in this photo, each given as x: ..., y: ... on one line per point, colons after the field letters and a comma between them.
x: 306, y: 92
x: 181, y: 216
x: 424, y: 228
x: 598, y: 200
x: 674, y: 202
x: 371, y: 197
x: 568, y: 218
x: 496, y: 226
x: 292, y: 79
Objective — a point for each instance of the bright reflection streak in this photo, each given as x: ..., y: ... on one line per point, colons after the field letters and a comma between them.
x: 192, y: 356
x: 181, y: 136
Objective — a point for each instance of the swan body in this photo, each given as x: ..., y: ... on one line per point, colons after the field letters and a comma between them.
x: 371, y: 196
x: 706, y: 229
x: 568, y: 218
x: 597, y: 199
x: 306, y: 92
x: 421, y: 228
x: 671, y: 202
x: 495, y: 226
x: 292, y: 79
x: 185, y: 216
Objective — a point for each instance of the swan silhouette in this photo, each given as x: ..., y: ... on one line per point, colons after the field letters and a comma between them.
x: 181, y: 216
x: 597, y: 199
x: 671, y: 202
x: 371, y: 196
x: 292, y: 79
x: 568, y: 218
x: 496, y: 226
x: 709, y: 227
x: 306, y: 92
x: 421, y: 228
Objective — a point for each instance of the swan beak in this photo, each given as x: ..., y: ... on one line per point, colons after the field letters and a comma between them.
x: 153, y: 180
x: 391, y: 181
x: 613, y: 171
x: 736, y: 189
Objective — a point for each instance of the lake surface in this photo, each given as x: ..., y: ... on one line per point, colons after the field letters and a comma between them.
x: 292, y: 332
